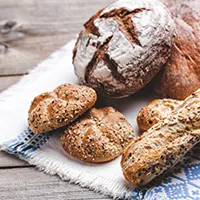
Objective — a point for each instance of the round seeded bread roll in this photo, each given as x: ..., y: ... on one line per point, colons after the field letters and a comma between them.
x: 52, y: 110
x: 99, y: 136
x: 123, y: 46
x: 155, y: 111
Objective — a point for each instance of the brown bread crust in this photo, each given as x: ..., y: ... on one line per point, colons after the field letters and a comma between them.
x: 181, y: 75
x: 52, y: 110
x: 123, y: 46
x: 99, y: 136
x: 164, y: 144
x: 155, y: 111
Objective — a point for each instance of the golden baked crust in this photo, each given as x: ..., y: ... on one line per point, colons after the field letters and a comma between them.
x: 164, y: 144
x: 181, y: 75
x: 155, y: 111
x: 52, y: 110
x: 99, y: 136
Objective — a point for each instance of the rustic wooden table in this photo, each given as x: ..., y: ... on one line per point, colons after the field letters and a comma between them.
x: 29, y: 31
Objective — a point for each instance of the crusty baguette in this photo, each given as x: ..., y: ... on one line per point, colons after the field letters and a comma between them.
x: 52, y: 110
x: 99, y: 136
x: 164, y: 144
x: 155, y: 111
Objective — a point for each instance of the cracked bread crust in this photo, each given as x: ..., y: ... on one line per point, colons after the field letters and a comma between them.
x: 155, y: 111
x: 123, y: 46
x: 99, y: 136
x: 52, y: 110
x: 164, y: 144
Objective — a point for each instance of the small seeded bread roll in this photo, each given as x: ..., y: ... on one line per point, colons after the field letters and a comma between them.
x: 155, y: 111
x: 99, y: 136
x: 164, y: 144
x: 52, y: 110
x: 123, y: 46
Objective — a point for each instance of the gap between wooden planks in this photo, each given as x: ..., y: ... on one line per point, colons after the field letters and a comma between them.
x: 28, y: 183
x: 29, y: 32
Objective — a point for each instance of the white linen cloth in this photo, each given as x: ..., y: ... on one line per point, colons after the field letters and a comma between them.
x: 46, y: 153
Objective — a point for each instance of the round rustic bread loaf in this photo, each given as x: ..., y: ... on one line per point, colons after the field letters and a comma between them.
x: 181, y: 75
x: 123, y: 46
x: 99, y: 136
x: 52, y: 110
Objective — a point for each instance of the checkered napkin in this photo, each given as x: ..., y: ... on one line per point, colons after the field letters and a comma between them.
x: 46, y: 153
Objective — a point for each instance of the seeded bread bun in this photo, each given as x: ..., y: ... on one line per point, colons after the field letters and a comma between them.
x: 155, y: 111
x: 52, y: 110
x: 99, y: 136
x: 164, y: 144
x: 123, y: 46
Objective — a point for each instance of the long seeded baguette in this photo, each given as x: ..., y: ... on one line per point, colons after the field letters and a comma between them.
x: 155, y: 111
x: 164, y: 144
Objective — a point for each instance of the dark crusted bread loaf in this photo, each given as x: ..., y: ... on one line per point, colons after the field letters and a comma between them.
x: 123, y: 46
x: 52, y: 110
x: 99, y: 136
x: 164, y: 144
x: 181, y: 75
x: 155, y: 111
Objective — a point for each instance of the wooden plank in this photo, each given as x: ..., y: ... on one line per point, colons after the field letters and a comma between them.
x: 31, y: 30
x: 8, y: 161
x: 7, y: 81
x: 27, y: 183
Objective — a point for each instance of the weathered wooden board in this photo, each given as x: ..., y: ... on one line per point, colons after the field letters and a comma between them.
x: 28, y: 183
x: 31, y: 30
x: 9, y: 161
x: 7, y: 81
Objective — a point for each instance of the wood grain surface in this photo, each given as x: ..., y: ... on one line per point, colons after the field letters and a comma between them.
x: 30, y: 30
x: 6, y: 81
x: 10, y: 161
x: 28, y: 183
